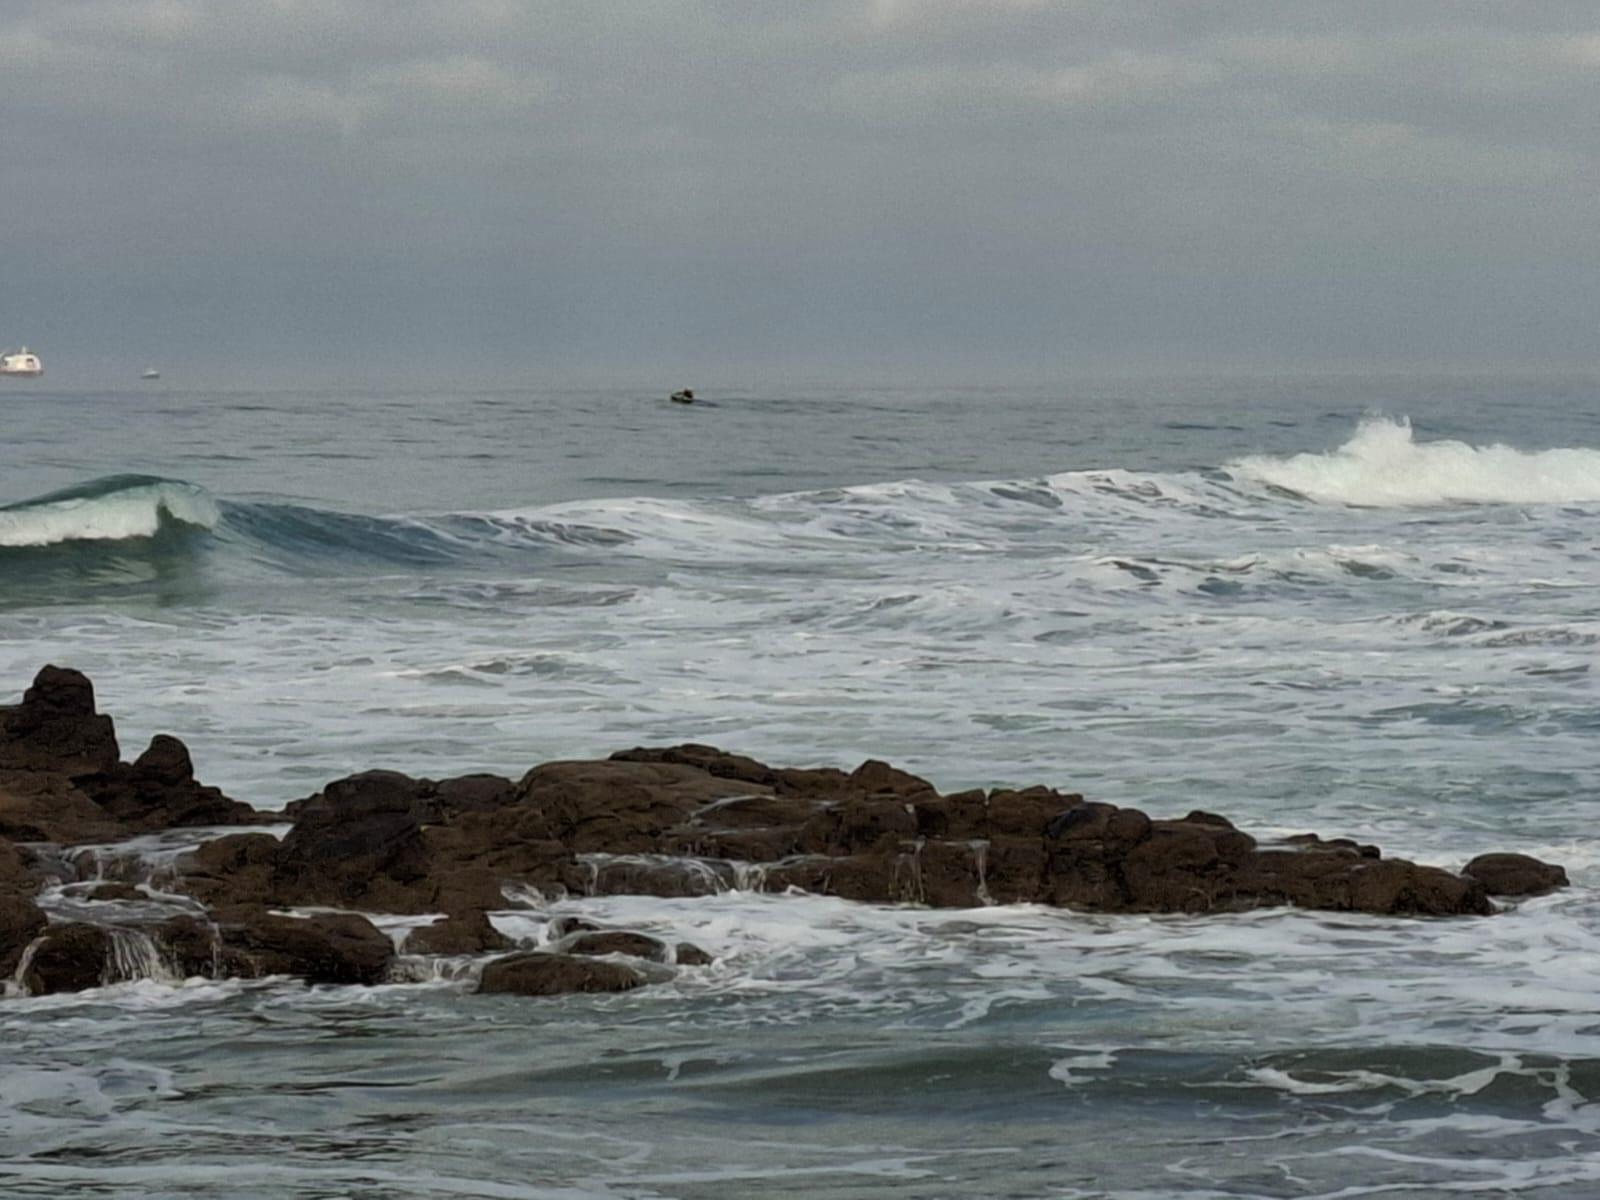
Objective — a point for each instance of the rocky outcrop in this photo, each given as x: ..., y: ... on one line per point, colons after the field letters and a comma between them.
x: 671, y: 821
x: 62, y: 781
x: 56, y: 729
x: 158, y: 790
x: 691, y: 820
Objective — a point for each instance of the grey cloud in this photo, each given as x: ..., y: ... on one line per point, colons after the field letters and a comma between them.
x: 944, y: 182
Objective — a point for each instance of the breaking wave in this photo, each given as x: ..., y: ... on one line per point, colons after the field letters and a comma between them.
x: 113, y: 509
x: 135, y: 528
x: 1384, y: 466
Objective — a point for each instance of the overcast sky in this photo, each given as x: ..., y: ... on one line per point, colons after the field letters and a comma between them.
x: 962, y: 185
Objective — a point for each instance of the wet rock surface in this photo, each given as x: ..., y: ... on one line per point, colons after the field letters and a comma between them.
x: 679, y: 821
x: 458, y: 933
x: 1515, y: 875
x: 536, y: 973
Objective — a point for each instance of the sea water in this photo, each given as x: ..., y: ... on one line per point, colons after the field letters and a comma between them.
x: 1363, y: 606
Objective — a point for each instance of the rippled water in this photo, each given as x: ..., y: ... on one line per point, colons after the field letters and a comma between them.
x: 1257, y: 597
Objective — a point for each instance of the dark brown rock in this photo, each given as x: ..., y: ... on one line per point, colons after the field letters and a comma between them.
x: 687, y: 954
x: 44, y: 807
x: 17, y: 874
x: 20, y: 922
x: 459, y: 933
x: 537, y: 973
x: 1515, y: 875
x: 472, y: 793
x: 619, y: 806
x: 158, y: 790
x: 68, y: 958
x: 56, y: 728
x: 875, y: 777
x: 114, y: 891
x: 714, y: 762
x: 617, y: 941
x: 357, y: 845
x: 235, y: 869
x: 858, y: 827
x: 325, y: 948
x: 648, y: 875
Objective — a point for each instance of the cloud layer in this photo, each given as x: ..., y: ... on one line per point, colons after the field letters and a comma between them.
x: 939, y: 182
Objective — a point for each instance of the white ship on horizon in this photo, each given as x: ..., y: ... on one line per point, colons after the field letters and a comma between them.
x: 23, y: 363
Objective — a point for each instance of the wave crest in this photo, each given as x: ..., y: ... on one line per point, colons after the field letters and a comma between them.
x: 1384, y: 466
x: 112, y: 509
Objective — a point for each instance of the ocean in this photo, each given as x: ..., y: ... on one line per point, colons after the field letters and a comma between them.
x: 1359, y: 605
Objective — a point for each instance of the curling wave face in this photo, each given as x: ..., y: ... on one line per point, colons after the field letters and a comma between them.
x: 116, y: 508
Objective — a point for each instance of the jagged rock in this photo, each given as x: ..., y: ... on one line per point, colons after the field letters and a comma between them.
x: 56, y: 728
x: 457, y: 933
x: 1515, y: 875
x: 357, y: 844
x: 158, y: 790
x: 61, y: 780
x: 618, y: 941
x: 536, y: 973
x: 685, y: 820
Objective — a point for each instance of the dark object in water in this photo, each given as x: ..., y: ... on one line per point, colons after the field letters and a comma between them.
x: 684, y: 397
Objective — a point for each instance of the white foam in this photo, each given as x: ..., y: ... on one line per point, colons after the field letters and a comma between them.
x: 1384, y: 466
x: 132, y: 512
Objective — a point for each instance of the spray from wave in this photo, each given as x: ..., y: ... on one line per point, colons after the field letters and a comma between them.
x: 1384, y: 466
x: 113, y: 509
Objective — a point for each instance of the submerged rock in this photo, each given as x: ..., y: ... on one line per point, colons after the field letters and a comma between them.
x: 538, y: 973
x: 618, y: 941
x: 1515, y: 875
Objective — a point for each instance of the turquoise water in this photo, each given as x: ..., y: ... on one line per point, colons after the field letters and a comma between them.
x: 1364, y: 606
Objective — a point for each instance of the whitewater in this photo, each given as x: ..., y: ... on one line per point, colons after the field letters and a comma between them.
x: 1364, y: 607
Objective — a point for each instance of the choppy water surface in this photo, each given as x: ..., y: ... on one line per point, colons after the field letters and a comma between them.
x: 1360, y: 606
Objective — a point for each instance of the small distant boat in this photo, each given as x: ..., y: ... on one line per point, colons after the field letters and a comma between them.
x: 23, y: 364
x: 684, y: 397
x: 149, y: 373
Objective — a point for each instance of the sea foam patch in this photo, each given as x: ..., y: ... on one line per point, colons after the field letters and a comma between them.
x: 1384, y: 466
